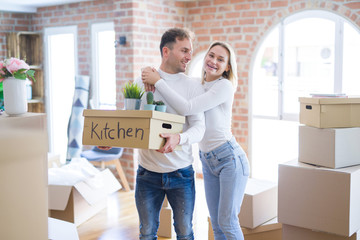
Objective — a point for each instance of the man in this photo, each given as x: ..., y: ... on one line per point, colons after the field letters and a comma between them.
x: 167, y: 172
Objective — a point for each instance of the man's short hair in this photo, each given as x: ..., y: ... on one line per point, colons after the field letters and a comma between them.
x: 169, y: 38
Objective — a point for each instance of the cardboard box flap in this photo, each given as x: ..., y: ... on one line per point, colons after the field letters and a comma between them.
x: 134, y: 114
x: 59, y: 196
x: 270, y: 225
x: 346, y: 170
x: 98, y: 187
x: 256, y: 186
x: 311, y: 100
x: 61, y: 230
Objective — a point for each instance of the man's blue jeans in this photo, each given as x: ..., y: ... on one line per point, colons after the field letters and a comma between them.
x: 226, y: 171
x: 179, y: 187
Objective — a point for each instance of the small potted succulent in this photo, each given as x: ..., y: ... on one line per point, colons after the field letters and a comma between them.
x: 160, y: 106
x: 132, y: 94
x: 150, y: 101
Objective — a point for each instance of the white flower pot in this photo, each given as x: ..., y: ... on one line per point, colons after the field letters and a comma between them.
x: 15, y: 96
x: 132, y: 103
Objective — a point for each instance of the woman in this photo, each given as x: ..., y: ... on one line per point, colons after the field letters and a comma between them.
x: 225, y: 165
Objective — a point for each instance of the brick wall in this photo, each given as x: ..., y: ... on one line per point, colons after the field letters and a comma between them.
x: 82, y: 15
x: 142, y: 22
x: 10, y: 22
x: 242, y: 23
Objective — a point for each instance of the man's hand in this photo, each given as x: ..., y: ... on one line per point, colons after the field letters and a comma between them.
x: 171, y: 140
x: 104, y: 147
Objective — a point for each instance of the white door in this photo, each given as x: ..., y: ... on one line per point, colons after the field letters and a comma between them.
x: 60, y: 64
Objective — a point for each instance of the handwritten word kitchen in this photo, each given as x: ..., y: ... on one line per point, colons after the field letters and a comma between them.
x: 115, y: 133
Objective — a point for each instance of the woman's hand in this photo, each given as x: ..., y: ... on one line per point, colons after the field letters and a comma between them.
x: 149, y: 75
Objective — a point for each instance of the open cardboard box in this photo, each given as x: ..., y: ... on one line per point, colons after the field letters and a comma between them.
x: 61, y: 230
x: 77, y: 203
x: 330, y: 112
x: 129, y: 128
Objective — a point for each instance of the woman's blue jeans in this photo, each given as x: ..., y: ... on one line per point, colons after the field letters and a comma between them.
x: 179, y: 187
x: 226, y: 171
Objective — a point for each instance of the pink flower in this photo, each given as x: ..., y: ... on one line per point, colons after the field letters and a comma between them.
x: 14, y: 64
x: 2, y: 73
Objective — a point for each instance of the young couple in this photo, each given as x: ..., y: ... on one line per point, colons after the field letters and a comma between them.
x: 225, y: 165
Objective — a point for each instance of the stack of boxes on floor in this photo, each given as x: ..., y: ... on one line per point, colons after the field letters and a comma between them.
x: 166, y: 228
x: 258, y: 212
x: 319, y: 194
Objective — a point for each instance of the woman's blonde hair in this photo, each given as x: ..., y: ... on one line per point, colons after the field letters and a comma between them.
x: 231, y: 74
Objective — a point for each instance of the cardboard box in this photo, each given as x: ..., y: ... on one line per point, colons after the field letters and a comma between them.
x: 330, y: 112
x: 166, y: 227
x: 23, y: 177
x: 296, y: 233
x: 330, y: 147
x: 271, y: 230
x: 259, y: 204
x: 129, y: 128
x: 61, y: 230
x: 319, y: 198
x: 79, y: 202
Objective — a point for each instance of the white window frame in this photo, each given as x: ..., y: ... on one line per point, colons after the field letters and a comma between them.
x: 48, y: 108
x: 95, y: 28
x: 339, y: 38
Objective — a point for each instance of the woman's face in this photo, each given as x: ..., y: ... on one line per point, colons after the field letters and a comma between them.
x: 216, y: 62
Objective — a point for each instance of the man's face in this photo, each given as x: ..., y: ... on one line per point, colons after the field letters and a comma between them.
x: 179, y: 56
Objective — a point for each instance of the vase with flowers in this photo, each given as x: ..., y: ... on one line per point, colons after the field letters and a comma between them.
x: 13, y: 75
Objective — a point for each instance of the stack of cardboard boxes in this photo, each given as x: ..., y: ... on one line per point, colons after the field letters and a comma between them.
x: 258, y: 212
x: 319, y: 194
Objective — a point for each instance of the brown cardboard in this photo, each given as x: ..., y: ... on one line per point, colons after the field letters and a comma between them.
x: 78, y: 203
x: 129, y: 128
x: 166, y: 227
x: 271, y: 230
x: 330, y: 147
x: 330, y: 112
x: 296, y: 233
x: 319, y: 198
x: 23, y: 177
x: 259, y: 204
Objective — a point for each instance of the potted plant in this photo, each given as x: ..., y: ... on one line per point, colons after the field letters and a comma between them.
x: 132, y: 94
x: 13, y: 74
x: 150, y: 101
x: 160, y: 106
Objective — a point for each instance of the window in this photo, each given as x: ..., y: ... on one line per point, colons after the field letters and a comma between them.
x: 60, y: 84
x: 309, y: 52
x: 103, y: 60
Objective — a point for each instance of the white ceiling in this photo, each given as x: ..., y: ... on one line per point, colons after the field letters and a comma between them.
x: 31, y: 5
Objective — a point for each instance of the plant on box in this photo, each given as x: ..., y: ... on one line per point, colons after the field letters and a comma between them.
x: 132, y: 94
x: 150, y: 101
x: 160, y: 106
x: 13, y: 74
